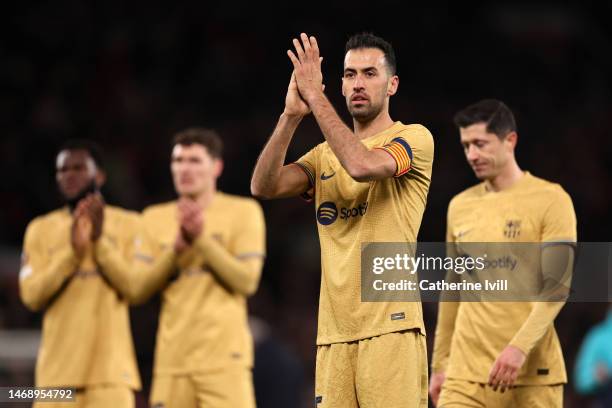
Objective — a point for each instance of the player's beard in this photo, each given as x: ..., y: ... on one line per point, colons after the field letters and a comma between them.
x: 72, y: 202
x: 365, y: 114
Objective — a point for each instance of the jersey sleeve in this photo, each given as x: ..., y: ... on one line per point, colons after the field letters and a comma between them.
x: 240, y: 265
x: 401, y: 152
x: 115, y: 250
x: 308, y: 163
x: 137, y: 266
x: 413, y: 151
x: 250, y: 241
x: 41, y: 277
x: 559, y: 222
x: 447, y: 313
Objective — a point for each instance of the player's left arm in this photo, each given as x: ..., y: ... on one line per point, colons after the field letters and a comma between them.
x: 360, y: 163
x: 240, y: 266
x: 556, y: 264
x: 556, y: 260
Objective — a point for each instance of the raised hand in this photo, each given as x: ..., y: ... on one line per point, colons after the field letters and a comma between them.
x: 96, y: 214
x: 179, y: 243
x: 80, y: 234
x: 307, y: 67
x: 190, y: 218
x: 294, y: 104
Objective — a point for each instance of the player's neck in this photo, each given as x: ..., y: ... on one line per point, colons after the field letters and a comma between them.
x: 366, y: 129
x: 507, y: 178
x: 206, y: 197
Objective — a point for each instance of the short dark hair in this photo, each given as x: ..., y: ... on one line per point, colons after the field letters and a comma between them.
x: 494, y: 113
x: 369, y: 40
x: 202, y: 136
x: 92, y: 148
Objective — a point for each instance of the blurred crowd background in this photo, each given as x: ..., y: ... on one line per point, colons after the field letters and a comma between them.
x: 130, y: 74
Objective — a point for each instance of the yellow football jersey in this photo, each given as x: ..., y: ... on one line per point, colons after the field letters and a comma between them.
x: 86, y: 337
x: 350, y: 213
x: 471, y: 335
x: 203, y: 321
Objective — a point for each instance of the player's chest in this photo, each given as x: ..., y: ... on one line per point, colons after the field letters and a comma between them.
x: 56, y: 235
x: 333, y: 183
x: 496, y: 220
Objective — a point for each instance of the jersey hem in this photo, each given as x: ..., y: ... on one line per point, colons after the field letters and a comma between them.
x: 532, y: 380
x: 369, y: 335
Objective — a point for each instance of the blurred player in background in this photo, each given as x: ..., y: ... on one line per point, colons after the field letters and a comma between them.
x: 205, y: 251
x: 503, y: 354
x: 593, y: 371
x: 86, y: 339
x: 369, y: 184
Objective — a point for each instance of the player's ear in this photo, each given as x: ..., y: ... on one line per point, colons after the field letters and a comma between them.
x: 392, y: 85
x: 512, y: 138
x: 218, y: 167
x: 100, y: 178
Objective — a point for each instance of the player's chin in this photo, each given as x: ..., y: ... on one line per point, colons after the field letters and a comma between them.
x: 184, y: 191
x: 70, y: 193
x: 362, y: 113
x: 481, y: 173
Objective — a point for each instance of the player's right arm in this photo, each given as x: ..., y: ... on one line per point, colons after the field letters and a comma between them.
x: 447, y: 313
x: 139, y: 279
x: 445, y: 326
x: 142, y: 269
x: 271, y: 177
x: 41, y: 277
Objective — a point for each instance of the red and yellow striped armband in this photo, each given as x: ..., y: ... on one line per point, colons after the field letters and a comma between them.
x: 401, y: 152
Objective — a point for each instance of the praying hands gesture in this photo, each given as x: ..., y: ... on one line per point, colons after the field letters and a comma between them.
x: 306, y: 67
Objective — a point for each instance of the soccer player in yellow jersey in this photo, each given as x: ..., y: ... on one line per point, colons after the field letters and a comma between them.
x: 86, y: 340
x: 369, y: 184
x: 205, y: 251
x: 503, y: 354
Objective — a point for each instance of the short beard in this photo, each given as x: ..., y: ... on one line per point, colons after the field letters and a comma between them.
x: 365, y: 116
x: 73, y: 202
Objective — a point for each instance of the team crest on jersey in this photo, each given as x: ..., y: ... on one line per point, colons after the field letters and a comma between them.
x: 512, y: 229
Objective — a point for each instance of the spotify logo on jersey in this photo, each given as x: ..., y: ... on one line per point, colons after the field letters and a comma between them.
x: 327, y: 213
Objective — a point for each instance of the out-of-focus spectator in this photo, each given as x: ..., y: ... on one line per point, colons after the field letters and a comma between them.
x: 593, y: 372
x: 278, y: 373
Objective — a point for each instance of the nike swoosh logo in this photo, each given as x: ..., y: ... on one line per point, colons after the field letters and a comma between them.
x: 324, y: 177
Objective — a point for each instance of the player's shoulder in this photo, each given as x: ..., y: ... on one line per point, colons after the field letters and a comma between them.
x: 44, y: 223
x: 49, y: 218
x: 464, y: 201
x: 468, y: 194
x: 411, y: 130
x: 416, y: 135
x: 546, y: 188
x: 158, y: 210
x: 121, y: 217
x: 119, y: 212
x: 235, y: 202
x: 322, y: 148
